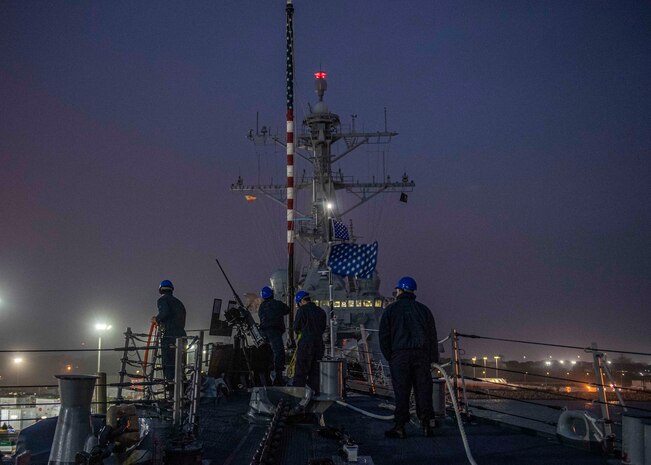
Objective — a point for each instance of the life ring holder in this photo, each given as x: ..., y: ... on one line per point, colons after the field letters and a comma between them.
x: 579, y: 428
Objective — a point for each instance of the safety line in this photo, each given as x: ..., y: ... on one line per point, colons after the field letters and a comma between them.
x: 479, y: 407
x: 586, y: 349
x: 553, y: 407
x: 569, y: 380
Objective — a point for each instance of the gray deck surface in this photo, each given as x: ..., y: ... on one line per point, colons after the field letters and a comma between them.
x: 229, y: 439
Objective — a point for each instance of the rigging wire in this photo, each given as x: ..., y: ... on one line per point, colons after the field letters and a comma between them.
x: 552, y: 393
x: 585, y: 349
x: 531, y: 402
x: 488, y: 409
x: 558, y: 378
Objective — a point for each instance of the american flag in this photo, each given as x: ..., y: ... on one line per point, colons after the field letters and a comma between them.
x: 339, y: 231
x: 357, y: 260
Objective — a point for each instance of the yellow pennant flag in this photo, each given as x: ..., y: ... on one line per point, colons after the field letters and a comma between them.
x: 250, y: 198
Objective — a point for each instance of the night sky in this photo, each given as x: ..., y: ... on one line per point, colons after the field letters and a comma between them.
x: 525, y: 125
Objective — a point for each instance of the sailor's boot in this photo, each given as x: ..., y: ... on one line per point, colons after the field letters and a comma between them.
x: 398, y: 432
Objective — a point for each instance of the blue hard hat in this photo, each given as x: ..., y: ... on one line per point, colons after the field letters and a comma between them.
x: 166, y: 284
x: 407, y: 283
x: 266, y: 292
x: 300, y: 295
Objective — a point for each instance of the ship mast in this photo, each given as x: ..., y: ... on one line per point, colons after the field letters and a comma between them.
x: 290, y: 165
x: 320, y: 131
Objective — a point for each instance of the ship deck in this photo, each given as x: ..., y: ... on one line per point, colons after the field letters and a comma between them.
x: 229, y: 438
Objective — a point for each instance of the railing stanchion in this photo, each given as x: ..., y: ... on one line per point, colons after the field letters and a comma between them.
x: 457, y: 369
x: 100, y: 389
x: 367, y: 350
x: 615, y: 387
x: 178, y: 380
x: 196, y: 388
x: 125, y: 357
x: 598, y: 361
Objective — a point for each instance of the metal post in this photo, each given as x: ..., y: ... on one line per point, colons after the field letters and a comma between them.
x: 597, y: 358
x: 617, y: 388
x: 157, y: 349
x: 178, y: 380
x: 289, y: 10
x: 194, y: 423
x: 100, y: 406
x: 333, y: 318
x: 367, y: 351
x: 99, y: 352
x: 123, y: 371
x: 457, y: 368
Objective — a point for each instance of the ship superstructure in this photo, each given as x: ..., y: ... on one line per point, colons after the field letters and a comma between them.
x: 355, y: 301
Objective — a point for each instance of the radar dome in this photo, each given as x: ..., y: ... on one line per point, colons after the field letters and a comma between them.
x: 320, y: 107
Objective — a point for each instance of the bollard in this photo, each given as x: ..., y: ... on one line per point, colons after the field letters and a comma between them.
x: 331, y: 380
x: 633, y: 438
x: 74, y: 426
x: 647, y: 442
x: 438, y: 400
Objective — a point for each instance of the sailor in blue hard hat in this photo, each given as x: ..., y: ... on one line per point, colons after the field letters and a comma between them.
x: 171, y: 324
x: 272, y: 326
x: 408, y: 341
x: 310, y: 323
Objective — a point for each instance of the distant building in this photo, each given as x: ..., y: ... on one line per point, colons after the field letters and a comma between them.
x: 641, y: 383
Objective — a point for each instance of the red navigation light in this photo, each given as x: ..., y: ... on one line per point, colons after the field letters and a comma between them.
x: 320, y: 75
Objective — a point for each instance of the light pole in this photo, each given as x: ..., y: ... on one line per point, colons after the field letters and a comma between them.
x: 100, y: 328
x: 485, y: 358
x: 17, y: 362
x: 497, y: 372
x: 474, y: 373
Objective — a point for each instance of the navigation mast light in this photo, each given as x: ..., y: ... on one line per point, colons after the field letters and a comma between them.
x: 320, y: 75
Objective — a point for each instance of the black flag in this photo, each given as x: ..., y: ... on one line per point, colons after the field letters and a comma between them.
x: 403, y: 197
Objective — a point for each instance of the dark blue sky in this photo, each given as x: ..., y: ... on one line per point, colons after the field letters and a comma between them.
x: 526, y: 126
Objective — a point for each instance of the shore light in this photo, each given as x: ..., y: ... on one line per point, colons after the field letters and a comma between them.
x: 100, y: 328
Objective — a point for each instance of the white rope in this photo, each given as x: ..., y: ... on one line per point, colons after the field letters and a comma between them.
x: 364, y: 412
x: 448, y: 383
